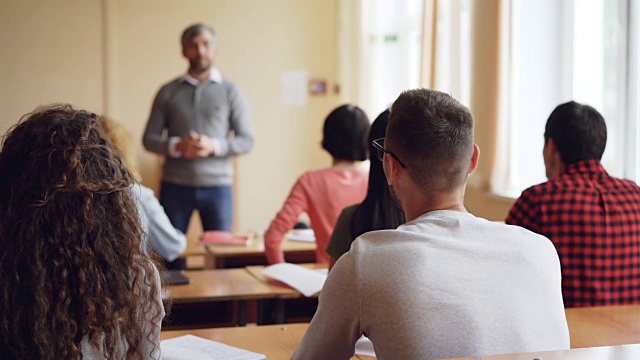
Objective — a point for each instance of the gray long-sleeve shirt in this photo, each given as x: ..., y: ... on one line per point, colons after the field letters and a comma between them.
x: 165, y: 240
x: 444, y: 285
x: 213, y: 108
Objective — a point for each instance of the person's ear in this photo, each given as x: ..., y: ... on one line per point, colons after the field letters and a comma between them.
x: 551, y: 148
x: 474, y: 158
x: 552, y: 162
x: 391, y: 168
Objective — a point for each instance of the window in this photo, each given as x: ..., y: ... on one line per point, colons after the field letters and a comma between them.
x: 393, y: 40
x: 582, y: 50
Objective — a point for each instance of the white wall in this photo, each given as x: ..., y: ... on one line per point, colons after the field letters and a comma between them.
x: 50, y: 51
x: 111, y: 56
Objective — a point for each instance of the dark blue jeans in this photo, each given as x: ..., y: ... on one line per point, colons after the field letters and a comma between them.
x: 215, y: 205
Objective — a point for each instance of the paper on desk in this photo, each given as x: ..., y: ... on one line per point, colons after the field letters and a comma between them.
x: 189, y: 347
x: 364, y: 346
x: 306, y: 281
x: 302, y: 235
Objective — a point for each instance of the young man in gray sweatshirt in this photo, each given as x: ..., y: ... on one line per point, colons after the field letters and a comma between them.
x: 199, y: 121
x: 445, y: 284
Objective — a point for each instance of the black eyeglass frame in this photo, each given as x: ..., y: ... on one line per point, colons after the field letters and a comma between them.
x: 377, y: 143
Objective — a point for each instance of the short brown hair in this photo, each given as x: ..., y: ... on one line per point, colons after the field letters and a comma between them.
x: 195, y: 30
x: 433, y: 135
x: 119, y: 136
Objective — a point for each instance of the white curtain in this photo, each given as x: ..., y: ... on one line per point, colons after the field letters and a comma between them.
x: 379, y: 46
x: 502, y: 174
x: 352, y: 62
x: 446, y: 47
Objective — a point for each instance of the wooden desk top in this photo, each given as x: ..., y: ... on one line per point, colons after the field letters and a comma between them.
x: 224, y: 285
x: 604, y: 325
x: 275, y: 341
x: 255, y: 246
x: 624, y: 352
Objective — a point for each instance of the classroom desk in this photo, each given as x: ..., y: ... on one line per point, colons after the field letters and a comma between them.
x: 604, y: 325
x: 224, y: 256
x: 304, y: 307
x: 624, y: 352
x: 277, y: 342
x: 225, y: 285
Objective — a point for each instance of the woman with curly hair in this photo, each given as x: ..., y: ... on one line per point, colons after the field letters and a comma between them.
x: 76, y: 280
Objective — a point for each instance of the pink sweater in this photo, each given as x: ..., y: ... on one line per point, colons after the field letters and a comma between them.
x: 322, y: 194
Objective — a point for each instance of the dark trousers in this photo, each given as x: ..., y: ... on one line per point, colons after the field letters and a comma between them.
x: 215, y: 205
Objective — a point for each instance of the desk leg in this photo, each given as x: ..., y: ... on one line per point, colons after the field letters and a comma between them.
x: 263, y: 312
x: 271, y: 311
x: 242, y: 313
x: 279, y: 311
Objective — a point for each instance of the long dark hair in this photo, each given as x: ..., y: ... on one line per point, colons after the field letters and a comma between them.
x: 72, y: 261
x: 378, y: 211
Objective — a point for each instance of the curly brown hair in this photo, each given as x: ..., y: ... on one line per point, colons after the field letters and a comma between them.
x: 73, y: 263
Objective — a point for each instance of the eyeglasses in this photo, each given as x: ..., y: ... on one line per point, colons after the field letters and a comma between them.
x: 379, y: 145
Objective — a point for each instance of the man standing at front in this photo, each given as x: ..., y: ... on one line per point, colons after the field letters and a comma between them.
x: 446, y: 284
x: 592, y: 218
x: 199, y: 121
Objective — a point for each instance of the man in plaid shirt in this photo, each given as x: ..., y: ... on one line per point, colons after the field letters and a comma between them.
x: 592, y: 218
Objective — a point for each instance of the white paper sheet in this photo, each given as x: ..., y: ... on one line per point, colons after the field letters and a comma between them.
x: 302, y: 235
x: 189, y: 347
x: 307, y: 281
x: 364, y: 346
x: 294, y: 87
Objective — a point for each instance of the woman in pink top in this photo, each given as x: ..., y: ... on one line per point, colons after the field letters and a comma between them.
x: 324, y: 193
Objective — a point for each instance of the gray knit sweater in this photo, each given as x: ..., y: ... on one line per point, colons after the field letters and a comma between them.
x: 444, y: 285
x: 215, y: 109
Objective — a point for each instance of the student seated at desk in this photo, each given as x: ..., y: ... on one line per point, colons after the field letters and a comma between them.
x: 378, y: 211
x: 165, y: 240
x: 446, y: 284
x: 592, y: 218
x: 75, y: 276
x: 324, y: 193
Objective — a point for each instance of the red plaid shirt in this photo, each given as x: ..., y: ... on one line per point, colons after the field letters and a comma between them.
x: 593, y: 219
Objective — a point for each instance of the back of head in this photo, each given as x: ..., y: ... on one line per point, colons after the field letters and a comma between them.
x: 72, y: 264
x: 118, y: 135
x: 432, y: 134
x: 578, y: 131
x: 345, y: 133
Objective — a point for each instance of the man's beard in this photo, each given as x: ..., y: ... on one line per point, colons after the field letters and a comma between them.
x: 198, y: 67
x: 394, y: 197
